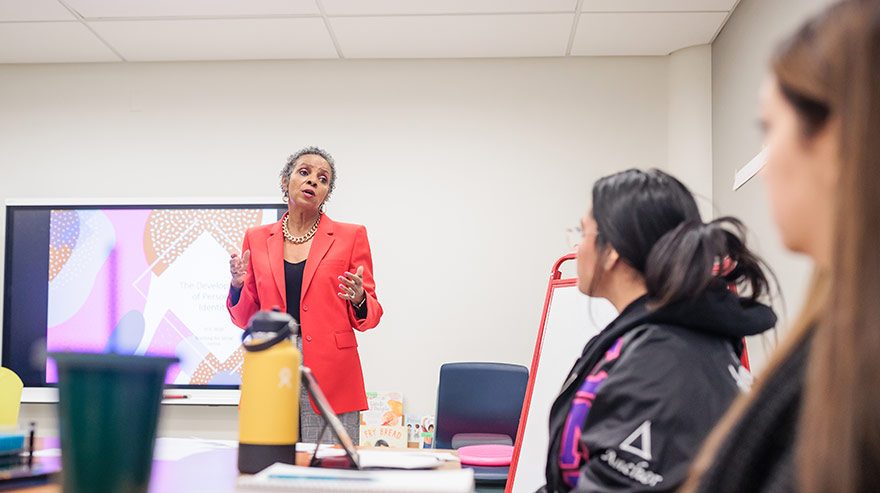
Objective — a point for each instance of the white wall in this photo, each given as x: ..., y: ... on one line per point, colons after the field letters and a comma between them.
x: 467, y: 173
x: 740, y: 58
x: 690, y: 121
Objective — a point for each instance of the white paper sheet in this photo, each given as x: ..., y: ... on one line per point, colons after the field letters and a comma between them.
x: 295, y: 478
x: 171, y: 449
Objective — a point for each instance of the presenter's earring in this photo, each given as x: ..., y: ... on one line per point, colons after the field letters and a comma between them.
x: 321, y: 209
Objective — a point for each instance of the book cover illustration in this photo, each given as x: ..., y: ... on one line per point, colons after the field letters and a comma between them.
x: 382, y: 424
x: 427, y: 433
x: 413, y: 430
x: 383, y: 436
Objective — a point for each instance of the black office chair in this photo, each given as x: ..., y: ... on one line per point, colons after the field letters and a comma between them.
x: 480, y: 404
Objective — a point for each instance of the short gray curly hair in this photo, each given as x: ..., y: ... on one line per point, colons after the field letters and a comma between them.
x: 288, y: 167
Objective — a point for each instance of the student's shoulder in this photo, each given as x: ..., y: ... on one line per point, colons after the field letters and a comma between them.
x: 673, y: 339
x: 681, y: 361
x: 674, y: 354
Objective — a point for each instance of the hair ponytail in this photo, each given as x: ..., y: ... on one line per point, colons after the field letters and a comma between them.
x: 694, y: 256
x: 652, y: 221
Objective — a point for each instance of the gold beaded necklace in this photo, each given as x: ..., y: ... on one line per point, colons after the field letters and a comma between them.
x: 298, y: 240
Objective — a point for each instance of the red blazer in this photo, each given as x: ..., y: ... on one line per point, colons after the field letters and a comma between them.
x: 327, y: 321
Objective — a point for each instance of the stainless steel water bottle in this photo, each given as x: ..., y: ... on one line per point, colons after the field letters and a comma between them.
x: 268, y: 412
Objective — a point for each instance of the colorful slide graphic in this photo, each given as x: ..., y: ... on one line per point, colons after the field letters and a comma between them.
x: 148, y: 281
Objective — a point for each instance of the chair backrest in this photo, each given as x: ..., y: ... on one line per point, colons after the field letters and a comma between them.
x: 479, y: 399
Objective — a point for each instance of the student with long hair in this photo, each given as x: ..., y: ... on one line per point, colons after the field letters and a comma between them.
x: 649, y: 388
x: 813, y: 422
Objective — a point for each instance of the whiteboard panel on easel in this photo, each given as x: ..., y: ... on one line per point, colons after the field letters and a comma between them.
x: 572, y: 319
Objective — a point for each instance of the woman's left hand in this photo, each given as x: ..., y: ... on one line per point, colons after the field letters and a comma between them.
x: 352, y: 287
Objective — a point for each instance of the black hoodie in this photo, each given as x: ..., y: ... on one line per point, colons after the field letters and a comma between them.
x: 678, y: 371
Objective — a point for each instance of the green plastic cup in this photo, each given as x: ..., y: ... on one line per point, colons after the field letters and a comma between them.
x: 108, y: 410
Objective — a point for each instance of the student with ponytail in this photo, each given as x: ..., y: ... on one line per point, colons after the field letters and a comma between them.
x: 813, y: 422
x: 648, y: 389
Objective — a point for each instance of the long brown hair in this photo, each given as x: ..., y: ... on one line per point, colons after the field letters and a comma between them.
x: 828, y: 70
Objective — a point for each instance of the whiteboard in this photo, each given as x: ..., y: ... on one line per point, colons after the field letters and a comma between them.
x: 570, y: 320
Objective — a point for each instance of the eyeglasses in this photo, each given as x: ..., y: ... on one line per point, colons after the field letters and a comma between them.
x: 574, y: 236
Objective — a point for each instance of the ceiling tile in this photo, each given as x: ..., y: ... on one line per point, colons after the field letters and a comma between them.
x: 33, y: 10
x: 397, y: 7
x: 472, y: 36
x: 658, y: 5
x: 99, y: 9
x: 643, y: 33
x: 50, y: 42
x: 223, y: 39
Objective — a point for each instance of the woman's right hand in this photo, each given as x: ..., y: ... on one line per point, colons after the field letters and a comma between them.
x: 238, y: 268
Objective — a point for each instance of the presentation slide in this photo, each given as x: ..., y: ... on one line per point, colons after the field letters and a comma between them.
x: 148, y: 281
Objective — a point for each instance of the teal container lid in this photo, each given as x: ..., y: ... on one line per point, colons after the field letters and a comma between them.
x: 11, y: 443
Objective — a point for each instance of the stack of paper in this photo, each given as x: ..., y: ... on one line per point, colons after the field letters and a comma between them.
x: 284, y: 477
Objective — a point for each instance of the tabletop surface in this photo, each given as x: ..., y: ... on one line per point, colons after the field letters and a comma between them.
x: 213, y: 471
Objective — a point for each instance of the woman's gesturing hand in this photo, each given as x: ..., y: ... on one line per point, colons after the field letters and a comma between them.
x: 238, y: 268
x: 352, y: 287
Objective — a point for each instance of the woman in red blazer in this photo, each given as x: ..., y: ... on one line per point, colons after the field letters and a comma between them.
x: 319, y: 271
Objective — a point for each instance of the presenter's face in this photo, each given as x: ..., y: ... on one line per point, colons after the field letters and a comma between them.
x: 800, y: 174
x: 309, y: 182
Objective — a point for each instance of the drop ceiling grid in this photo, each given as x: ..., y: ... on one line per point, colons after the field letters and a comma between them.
x: 140, y: 30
